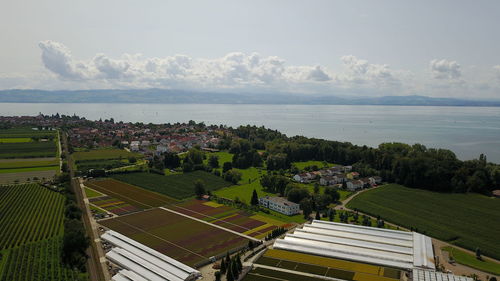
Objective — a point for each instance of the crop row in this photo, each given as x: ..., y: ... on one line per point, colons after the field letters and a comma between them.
x: 38, y: 261
x: 29, y: 213
x: 462, y: 219
x: 28, y: 149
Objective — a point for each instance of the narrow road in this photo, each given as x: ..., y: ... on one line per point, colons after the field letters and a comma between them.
x: 94, y: 266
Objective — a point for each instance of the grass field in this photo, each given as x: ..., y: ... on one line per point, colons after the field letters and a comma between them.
x: 461, y: 219
x: 470, y: 260
x: 103, y: 154
x: 133, y: 195
x: 90, y: 193
x: 32, y: 169
x: 9, y: 178
x: 177, y: 186
x: 28, y: 149
x: 14, y: 140
x: 176, y: 236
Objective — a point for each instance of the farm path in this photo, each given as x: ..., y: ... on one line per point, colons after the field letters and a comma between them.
x: 457, y: 269
x: 214, y: 225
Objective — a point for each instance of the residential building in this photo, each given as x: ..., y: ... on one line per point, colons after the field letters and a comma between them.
x: 280, y: 204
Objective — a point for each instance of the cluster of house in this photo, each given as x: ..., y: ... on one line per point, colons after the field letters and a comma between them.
x: 280, y: 205
x: 338, y: 175
x: 174, y: 143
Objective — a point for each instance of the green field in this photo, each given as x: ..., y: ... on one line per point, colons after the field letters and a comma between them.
x: 320, y: 164
x: 103, y: 154
x: 32, y: 169
x: 90, y: 193
x: 25, y: 133
x: 31, y: 224
x: 470, y: 260
x: 28, y: 164
x: 466, y: 220
x: 28, y: 149
x: 14, y: 140
x: 177, y: 186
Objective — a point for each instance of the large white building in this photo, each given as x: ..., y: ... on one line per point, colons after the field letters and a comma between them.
x: 379, y: 246
x: 141, y: 263
x: 280, y: 204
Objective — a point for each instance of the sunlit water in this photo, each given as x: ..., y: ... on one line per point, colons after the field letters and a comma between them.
x: 468, y: 131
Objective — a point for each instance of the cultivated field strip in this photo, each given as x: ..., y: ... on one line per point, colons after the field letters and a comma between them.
x: 37, y: 261
x: 28, y: 213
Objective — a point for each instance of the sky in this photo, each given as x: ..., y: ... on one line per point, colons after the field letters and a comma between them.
x: 358, y: 48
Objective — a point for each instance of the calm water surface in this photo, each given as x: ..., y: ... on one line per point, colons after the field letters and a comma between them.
x: 468, y: 131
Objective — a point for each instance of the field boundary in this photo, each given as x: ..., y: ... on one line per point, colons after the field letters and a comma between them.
x: 214, y: 225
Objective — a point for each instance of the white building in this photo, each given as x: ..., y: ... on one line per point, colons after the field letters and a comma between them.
x: 139, y: 262
x: 379, y: 246
x: 280, y: 204
x: 354, y: 185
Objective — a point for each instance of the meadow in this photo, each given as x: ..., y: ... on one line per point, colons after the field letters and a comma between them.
x: 179, y: 186
x: 470, y: 260
x: 28, y: 164
x: 25, y: 133
x: 184, y: 239
x: 461, y: 219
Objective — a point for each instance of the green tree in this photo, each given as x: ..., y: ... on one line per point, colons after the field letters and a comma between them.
x: 213, y: 161
x: 316, y: 188
x: 223, y: 266
x: 217, y: 275
x: 199, y: 188
x: 306, y: 207
x: 227, y: 166
x: 255, y: 199
x: 334, y: 194
x: 478, y: 254
x: 318, y: 216
x: 132, y: 159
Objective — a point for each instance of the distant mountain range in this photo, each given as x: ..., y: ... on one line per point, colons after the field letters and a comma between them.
x: 182, y: 96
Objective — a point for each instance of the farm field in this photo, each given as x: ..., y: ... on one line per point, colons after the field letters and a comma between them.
x: 28, y: 149
x: 28, y: 164
x: 90, y: 193
x: 30, y: 213
x: 228, y: 217
x: 114, y: 205
x: 461, y: 219
x: 177, y: 186
x: 103, y: 154
x: 37, y: 261
x: 25, y: 133
x: 14, y: 140
x: 31, y: 237
x: 186, y: 240
x: 264, y: 274
x: 133, y: 195
x: 470, y: 260
x: 10, y: 178
x: 320, y: 164
x: 330, y: 267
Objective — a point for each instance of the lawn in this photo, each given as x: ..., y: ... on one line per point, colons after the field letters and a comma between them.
x: 25, y: 133
x: 184, y: 239
x: 103, y: 154
x: 461, y: 219
x: 179, y: 186
x: 470, y: 260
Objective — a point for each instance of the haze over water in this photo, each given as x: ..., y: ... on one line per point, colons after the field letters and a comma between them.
x: 467, y: 131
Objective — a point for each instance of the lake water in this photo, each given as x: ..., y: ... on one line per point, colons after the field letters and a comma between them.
x: 468, y: 131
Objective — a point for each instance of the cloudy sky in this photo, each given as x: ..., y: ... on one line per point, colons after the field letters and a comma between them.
x: 364, y: 48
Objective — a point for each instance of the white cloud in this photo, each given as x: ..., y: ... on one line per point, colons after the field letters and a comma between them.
x: 234, y: 70
x: 445, y: 69
x: 360, y: 72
